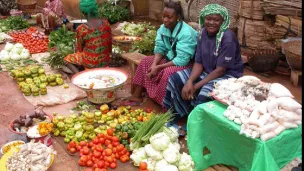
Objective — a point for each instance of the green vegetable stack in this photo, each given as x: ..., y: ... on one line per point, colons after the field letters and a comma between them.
x: 125, y: 131
x: 146, y: 45
x: 113, y: 13
x: 13, y: 23
x: 33, y: 81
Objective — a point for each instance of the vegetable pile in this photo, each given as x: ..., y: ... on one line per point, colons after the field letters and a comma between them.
x: 44, y: 128
x: 32, y: 39
x: 87, y: 124
x: 14, y: 52
x: 32, y: 156
x: 61, y: 44
x: 113, y: 13
x: 13, y: 23
x: 263, y: 110
x: 162, y: 153
x: 146, y: 44
x: 11, y: 145
x: 125, y: 131
x: 32, y: 80
x: 27, y: 120
x: 139, y: 29
x: 100, y: 153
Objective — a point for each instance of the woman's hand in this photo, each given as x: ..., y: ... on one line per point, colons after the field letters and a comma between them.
x: 152, y: 71
x: 188, y: 91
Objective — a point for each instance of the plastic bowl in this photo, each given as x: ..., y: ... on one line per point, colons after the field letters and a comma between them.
x: 10, y: 143
x: 98, y: 95
x: 10, y: 126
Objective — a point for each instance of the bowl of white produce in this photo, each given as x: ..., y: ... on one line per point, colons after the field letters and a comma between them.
x: 77, y: 23
x: 100, y: 84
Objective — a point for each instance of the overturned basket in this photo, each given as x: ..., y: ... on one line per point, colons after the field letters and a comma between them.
x: 263, y: 60
x: 26, y: 4
x: 293, y: 53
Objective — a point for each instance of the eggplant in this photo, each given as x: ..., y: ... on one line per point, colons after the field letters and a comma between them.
x: 22, y: 116
x: 33, y: 114
x: 22, y: 122
x: 28, y: 122
x: 40, y: 114
x: 16, y: 126
x: 17, y: 121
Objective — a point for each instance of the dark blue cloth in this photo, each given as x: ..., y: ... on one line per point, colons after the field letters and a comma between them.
x: 229, y: 54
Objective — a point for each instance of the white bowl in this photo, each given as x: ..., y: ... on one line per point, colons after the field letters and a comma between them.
x: 10, y: 143
x: 100, y: 84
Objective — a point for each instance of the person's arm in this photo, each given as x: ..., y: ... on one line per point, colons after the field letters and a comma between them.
x: 218, y: 72
x: 160, y: 48
x: 157, y: 58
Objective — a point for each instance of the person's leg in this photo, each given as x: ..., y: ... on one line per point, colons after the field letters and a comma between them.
x: 140, y: 80
x: 173, y: 99
x: 51, y: 22
x: 73, y: 68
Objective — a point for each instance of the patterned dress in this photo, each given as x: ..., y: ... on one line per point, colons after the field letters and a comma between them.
x: 54, y: 9
x: 94, y: 46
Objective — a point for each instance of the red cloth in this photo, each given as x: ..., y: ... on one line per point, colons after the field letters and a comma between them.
x: 156, y: 87
x: 94, y: 46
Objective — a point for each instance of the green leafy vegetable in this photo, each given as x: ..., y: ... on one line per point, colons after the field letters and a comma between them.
x: 139, y: 29
x: 113, y: 13
x: 146, y: 45
x: 13, y: 23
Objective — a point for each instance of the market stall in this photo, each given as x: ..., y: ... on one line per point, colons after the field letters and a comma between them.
x: 257, y: 131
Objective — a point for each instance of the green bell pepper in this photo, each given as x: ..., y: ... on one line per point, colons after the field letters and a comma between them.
x: 79, y: 134
x: 69, y: 120
x: 67, y: 140
x: 77, y: 126
x: 56, y: 133
x: 89, y: 127
x: 92, y: 136
x: 60, y: 124
x: 63, y: 133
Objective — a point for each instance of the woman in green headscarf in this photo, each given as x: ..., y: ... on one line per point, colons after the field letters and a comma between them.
x: 94, y: 42
x: 217, y: 57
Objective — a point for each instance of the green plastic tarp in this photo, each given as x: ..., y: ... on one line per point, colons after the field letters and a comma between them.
x: 208, y: 127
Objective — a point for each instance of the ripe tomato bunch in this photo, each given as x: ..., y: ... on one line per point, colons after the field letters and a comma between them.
x: 101, y: 153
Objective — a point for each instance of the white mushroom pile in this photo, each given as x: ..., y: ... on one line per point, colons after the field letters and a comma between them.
x: 263, y: 110
x: 32, y: 156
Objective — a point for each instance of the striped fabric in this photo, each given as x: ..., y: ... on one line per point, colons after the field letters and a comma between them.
x: 156, y: 87
x: 173, y: 98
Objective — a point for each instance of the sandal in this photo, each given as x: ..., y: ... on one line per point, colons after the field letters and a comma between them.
x: 130, y: 103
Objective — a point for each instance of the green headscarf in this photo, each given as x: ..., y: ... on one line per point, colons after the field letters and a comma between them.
x: 89, y: 7
x: 216, y: 9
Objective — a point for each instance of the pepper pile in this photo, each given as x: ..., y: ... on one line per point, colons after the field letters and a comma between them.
x: 32, y: 39
x: 45, y: 128
x: 125, y: 131
x: 32, y: 80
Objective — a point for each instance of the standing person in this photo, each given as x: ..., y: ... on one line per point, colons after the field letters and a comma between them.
x: 174, y: 48
x: 94, y: 41
x: 52, y: 15
x: 217, y: 57
x: 6, y: 6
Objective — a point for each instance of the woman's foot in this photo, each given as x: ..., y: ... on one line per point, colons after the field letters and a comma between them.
x: 132, y: 101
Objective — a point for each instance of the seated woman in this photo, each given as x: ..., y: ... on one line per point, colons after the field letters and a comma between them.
x: 217, y: 57
x: 94, y: 42
x: 6, y: 6
x: 174, y: 47
x: 52, y: 15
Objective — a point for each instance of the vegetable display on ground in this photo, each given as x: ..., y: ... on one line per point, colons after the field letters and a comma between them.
x: 113, y: 13
x: 13, y: 23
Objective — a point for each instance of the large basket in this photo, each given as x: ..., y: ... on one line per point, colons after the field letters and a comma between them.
x: 26, y: 4
x: 125, y: 44
x: 293, y: 53
x: 263, y: 60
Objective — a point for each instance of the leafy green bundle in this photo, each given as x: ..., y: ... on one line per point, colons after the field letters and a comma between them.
x: 113, y: 13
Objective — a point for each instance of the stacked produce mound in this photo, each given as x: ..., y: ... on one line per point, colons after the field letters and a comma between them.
x: 32, y: 80
x: 263, y: 110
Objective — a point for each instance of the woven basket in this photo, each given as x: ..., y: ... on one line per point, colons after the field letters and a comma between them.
x: 124, y: 45
x: 263, y: 60
x: 293, y: 53
x: 26, y: 4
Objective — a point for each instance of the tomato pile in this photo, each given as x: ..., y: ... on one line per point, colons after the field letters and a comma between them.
x: 32, y: 39
x: 101, y: 153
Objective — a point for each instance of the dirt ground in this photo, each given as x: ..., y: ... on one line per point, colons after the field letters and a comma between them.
x: 13, y: 104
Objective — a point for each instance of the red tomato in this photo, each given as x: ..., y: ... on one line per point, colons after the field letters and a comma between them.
x: 120, y: 147
x: 95, y: 166
x: 72, y: 144
x: 117, y: 156
x: 128, y: 153
x: 86, y: 151
x: 84, y: 159
x: 102, y: 140
x: 95, y: 140
x: 143, y: 165
x: 68, y: 147
x: 110, y: 146
x: 95, y: 160
x: 89, y: 163
x: 107, y: 163
x: 99, y: 148
x: 124, y: 158
x: 91, y: 144
x: 101, y: 135
x: 110, y: 132
x: 78, y: 147
x: 101, y: 164
x: 107, y: 142
x: 88, y: 169
x: 73, y: 150
x: 124, y: 151
x: 82, y: 143
x: 90, y: 157
x: 114, y: 150
x: 113, y: 165
x: 81, y: 163
x: 115, y: 143
x: 97, y: 154
x: 115, y: 139
x: 97, y: 169
x: 108, y: 152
